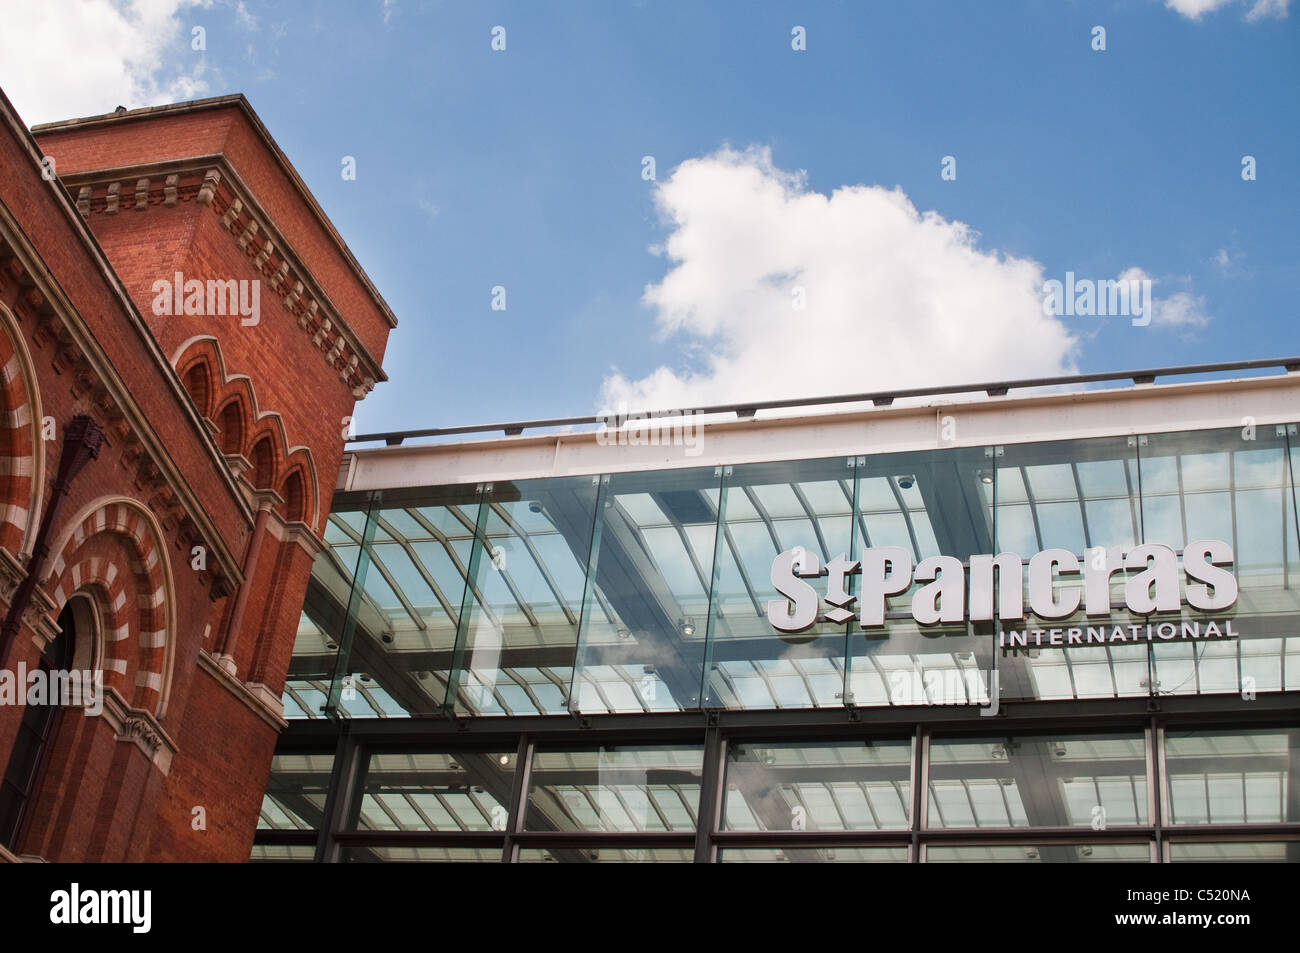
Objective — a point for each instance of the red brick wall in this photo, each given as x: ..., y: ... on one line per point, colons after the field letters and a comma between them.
x: 102, y: 798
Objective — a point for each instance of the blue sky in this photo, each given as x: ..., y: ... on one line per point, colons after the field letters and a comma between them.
x: 523, y: 168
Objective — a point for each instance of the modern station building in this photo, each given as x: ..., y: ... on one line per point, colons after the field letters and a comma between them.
x: 1035, y: 621
x: 1023, y: 621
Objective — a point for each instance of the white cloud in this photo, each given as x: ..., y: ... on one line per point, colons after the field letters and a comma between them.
x: 86, y: 57
x: 1268, y: 8
x: 1195, y: 9
x: 895, y: 298
x: 244, y: 17
x: 1180, y: 309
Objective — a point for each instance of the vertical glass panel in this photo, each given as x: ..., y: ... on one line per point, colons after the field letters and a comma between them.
x: 1080, y: 496
x: 1038, y: 781
x: 606, y: 855
x: 822, y: 786
x: 625, y: 789
x: 1234, y: 486
x: 521, y: 629
x: 931, y: 504
x: 1234, y: 852
x: 813, y: 855
x: 306, y: 687
x: 647, y: 594
x: 295, y: 792
x: 1039, y: 854
x: 771, y: 509
x: 1232, y: 777
x: 446, y: 791
x: 323, y: 619
x: 407, y: 611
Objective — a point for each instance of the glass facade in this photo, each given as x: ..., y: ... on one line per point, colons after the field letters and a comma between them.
x: 583, y: 668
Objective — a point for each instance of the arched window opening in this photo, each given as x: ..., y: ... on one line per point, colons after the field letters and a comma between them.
x: 36, y: 734
x: 263, y: 460
x: 294, y: 501
x: 232, y: 428
x: 199, y: 388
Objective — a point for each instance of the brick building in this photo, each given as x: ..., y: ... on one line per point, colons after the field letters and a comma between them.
x: 179, y: 318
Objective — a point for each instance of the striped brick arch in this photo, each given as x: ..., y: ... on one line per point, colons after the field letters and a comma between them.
x: 21, y: 450
x: 113, y: 552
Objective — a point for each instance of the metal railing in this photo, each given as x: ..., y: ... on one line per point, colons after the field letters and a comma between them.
x: 878, y: 398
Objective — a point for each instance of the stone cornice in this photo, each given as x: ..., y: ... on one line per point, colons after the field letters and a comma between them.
x: 254, y: 696
x: 238, y: 101
x: 296, y: 533
x: 210, y: 180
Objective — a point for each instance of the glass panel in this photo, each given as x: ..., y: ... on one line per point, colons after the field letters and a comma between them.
x: 818, y: 787
x: 1235, y: 486
x: 647, y: 595
x: 306, y: 688
x: 1080, y: 496
x: 282, y: 853
x: 322, y: 621
x: 813, y: 855
x: 1047, y: 781
x: 611, y: 855
x: 1232, y: 777
x: 422, y: 855
x: 295, y: 792
x: 1040, y: 854
x: 937, y: 503
x: 770, y: 509
x: 1235, y: 852
x: 449, y: 791
x: 412, y: 585
x: 625, y: 789
x: 522, y: 627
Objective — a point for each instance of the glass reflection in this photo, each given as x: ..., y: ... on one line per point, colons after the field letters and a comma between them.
x: 1040, y: 854
x: 520, y: 632
x: 770, y: 509
x: 449, y: 791
x: 936, y: 503
x: 358, y: 854
x: 624, y: 789
x: 295, y: 792
x: 1050, y: 781
x: 1231, y: 777
x: 1080, y: 496
x: 605, y: 855
x: 1233, y: 485
x: 813, y: 855
x: 1234, y: 852
x: 818, y: 786
x: 647, y: 600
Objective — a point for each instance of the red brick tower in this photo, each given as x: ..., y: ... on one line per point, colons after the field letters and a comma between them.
x: 188, y: 294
